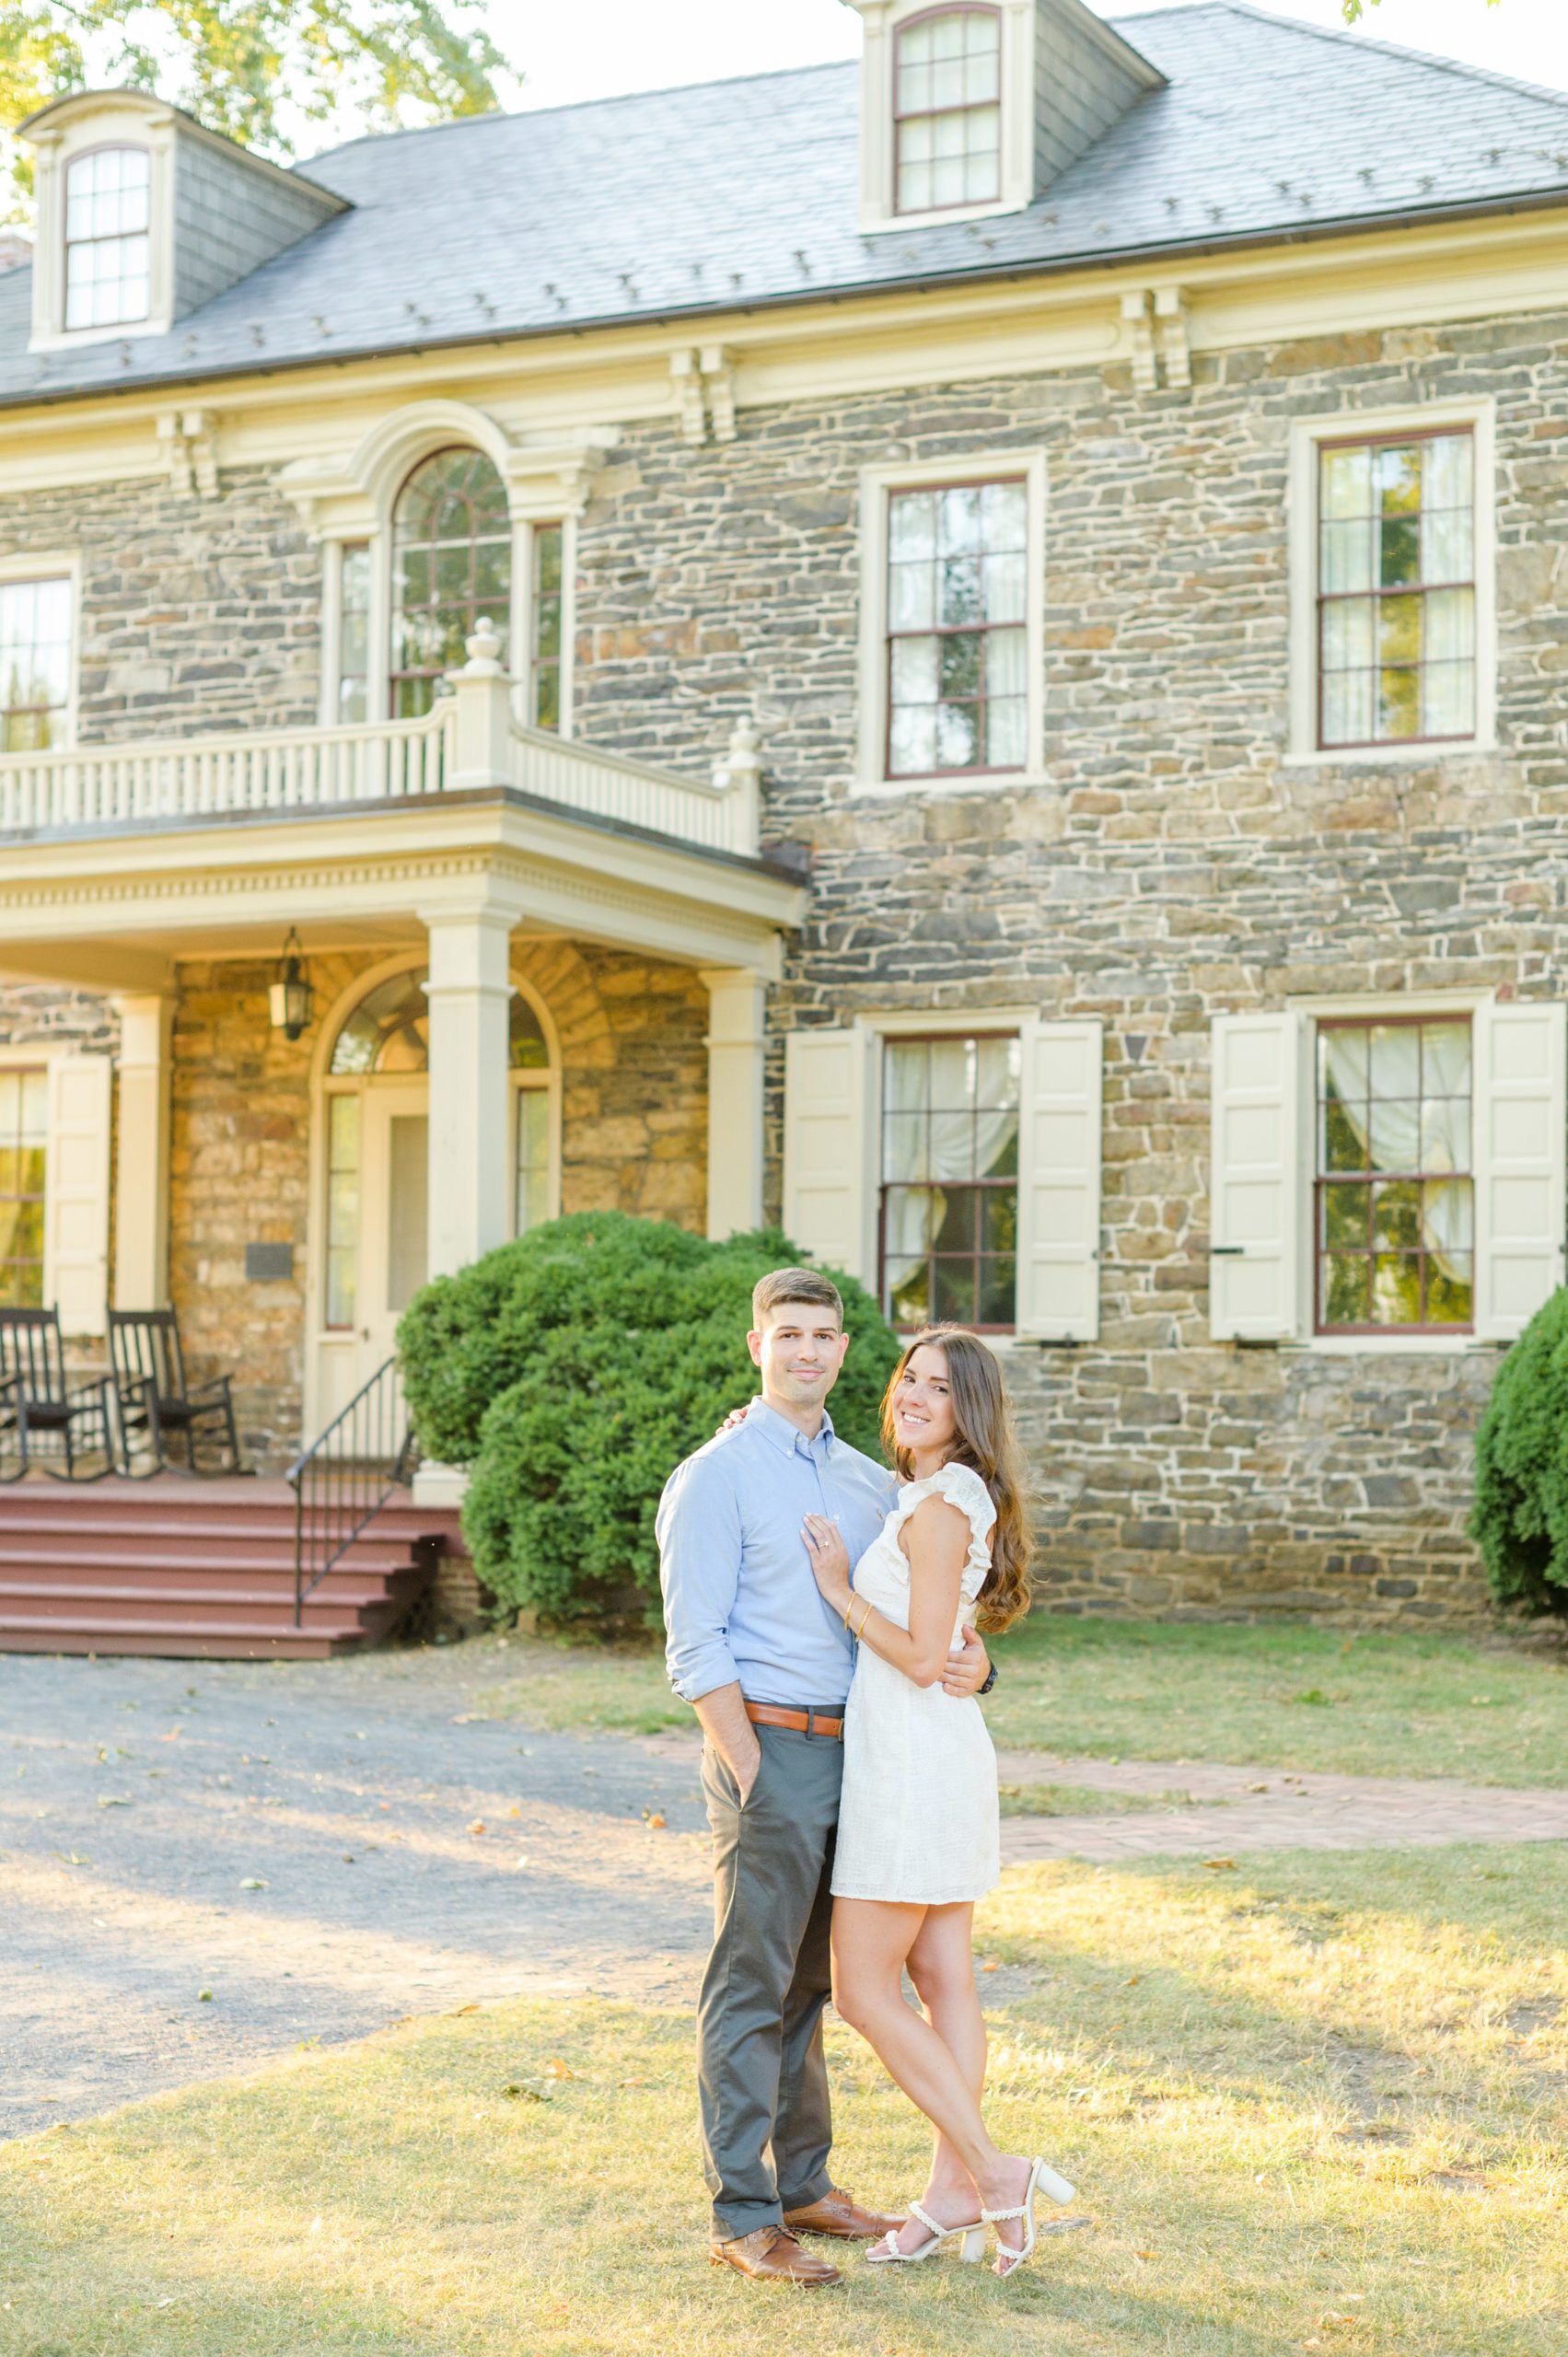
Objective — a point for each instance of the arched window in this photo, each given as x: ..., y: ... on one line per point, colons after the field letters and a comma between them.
x: 948, y: 109
x: 108, y: 213
x: 451, y: 567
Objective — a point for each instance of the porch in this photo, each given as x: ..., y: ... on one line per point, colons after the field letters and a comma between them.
x: 536, y: 975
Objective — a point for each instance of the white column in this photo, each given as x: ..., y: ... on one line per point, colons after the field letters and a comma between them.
x: 141, y: 1168
x: 469, y: 1003
x: 735, y: 1002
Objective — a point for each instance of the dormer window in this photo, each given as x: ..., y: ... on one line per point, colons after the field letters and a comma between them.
x: 108, y: 243
x: 949, y: 110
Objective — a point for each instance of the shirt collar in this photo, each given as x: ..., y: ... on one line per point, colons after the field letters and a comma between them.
x: 786, y: 1437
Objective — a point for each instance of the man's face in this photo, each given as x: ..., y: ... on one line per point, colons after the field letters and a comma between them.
x: 800, y: 1349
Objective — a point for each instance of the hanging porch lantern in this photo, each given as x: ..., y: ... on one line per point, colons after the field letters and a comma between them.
x: 289, y: 997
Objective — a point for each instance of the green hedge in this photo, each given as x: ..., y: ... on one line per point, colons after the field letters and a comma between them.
x: 573, y: 1369
x: 1519, y: 1518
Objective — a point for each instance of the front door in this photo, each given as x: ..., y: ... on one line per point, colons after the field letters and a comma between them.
x: 378, y: 1221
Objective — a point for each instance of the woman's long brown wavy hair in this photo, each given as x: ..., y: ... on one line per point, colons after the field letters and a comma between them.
x: 983, y: 1438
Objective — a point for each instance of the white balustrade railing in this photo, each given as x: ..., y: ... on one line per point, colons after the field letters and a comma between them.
x: 470, y: 739
x: 109, y: 787
x: 721, y: 816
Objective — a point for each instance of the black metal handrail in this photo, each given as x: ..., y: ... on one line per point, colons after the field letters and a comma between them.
x: 346, y: 1477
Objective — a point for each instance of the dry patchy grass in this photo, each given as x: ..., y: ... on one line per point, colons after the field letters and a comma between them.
x: 1412, y: 1703
x: 1315, y: 2104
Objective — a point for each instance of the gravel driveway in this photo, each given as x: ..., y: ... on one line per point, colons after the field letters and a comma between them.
x: 301, y: 1839
x: 327, y: 1846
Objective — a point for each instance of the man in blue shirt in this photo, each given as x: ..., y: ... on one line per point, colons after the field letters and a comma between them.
x: 766, y: 1666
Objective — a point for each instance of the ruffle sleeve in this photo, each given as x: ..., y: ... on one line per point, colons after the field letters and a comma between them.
x: 963, y: 1487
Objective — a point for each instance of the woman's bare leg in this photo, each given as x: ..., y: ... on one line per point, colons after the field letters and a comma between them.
x: 941, y: 1964
x: 872, y: 1941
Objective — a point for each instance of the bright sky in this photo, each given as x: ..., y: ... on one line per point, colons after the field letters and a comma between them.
x: 618, y: 46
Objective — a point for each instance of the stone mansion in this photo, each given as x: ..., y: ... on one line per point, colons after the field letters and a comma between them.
x: 966, y: 654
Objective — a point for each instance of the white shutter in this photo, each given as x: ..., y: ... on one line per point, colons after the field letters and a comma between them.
x: 828, y: 1203
x: 1059, y: 1181
x: 75, y: 1218
x: 1256, y: 1179
x: 1519, y: 1148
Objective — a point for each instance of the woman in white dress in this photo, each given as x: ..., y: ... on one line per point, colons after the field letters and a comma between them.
x: 918, y: 1823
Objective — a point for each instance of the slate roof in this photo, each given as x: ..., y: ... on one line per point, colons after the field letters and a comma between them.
x: 668, y: 204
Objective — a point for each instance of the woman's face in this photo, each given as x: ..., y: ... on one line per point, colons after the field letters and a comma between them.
x: 922, y: 1404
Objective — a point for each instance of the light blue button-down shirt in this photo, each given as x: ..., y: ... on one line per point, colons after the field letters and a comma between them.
x: 739, y: 1597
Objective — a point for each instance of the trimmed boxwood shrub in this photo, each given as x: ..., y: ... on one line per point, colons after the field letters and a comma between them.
x: 1519, y: 1518
x: 573, y: 1369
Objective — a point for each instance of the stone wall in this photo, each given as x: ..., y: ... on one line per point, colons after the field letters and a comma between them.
x: 195, y: 614
x: 1171, y: 867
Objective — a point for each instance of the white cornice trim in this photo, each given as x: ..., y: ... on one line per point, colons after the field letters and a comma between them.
x: 348, y: 495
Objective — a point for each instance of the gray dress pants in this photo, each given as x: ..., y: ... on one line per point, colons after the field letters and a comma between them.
x: 762, y: 2079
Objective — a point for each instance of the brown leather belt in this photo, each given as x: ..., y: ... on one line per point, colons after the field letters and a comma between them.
x: 774, y: 1715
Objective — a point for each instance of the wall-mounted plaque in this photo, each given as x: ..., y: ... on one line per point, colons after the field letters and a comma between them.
x: 269, y: 1264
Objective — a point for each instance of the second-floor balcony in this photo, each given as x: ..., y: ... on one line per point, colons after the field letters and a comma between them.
x: 469, y: 741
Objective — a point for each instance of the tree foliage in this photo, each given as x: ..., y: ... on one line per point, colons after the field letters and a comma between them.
x: 573, y: 1369
x: 251, y: 67
x: 1519, y: 1519
x: 1354, y: 11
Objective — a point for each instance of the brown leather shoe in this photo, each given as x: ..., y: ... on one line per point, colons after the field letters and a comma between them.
x: 839, y: 2214
x: 770, y: 2255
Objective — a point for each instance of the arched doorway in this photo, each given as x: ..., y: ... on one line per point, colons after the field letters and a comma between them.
x: 372, y: 1213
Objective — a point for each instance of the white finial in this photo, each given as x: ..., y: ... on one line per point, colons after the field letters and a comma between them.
x: 483, y: 650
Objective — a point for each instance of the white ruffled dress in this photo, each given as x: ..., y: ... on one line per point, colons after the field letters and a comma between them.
x: 918, y: 1822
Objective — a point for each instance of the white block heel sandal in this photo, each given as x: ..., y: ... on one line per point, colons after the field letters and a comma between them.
x: 971, y: 2240
x: 1041, y: 2181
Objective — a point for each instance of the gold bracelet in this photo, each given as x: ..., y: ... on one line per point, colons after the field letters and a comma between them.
x: 864, y: 1619
x: 849, y: 1607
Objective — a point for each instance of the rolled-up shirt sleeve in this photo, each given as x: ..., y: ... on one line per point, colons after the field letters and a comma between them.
x: 698, y: 1526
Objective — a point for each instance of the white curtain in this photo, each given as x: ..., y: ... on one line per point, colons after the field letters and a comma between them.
x: 934, y: 1135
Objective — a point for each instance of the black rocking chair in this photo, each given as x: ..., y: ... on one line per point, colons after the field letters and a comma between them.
x: 39, y: 1404
x: 158, y: 1405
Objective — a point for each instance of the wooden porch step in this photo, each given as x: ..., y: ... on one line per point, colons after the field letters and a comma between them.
x: 200, y: 1568
x: 185, y: 1642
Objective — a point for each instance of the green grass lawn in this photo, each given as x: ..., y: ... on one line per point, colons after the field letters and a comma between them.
x: 1316, y: 2103
x: 1416, y: 1703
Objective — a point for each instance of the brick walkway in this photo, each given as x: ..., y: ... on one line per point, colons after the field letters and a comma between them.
x: 1266, y: 1808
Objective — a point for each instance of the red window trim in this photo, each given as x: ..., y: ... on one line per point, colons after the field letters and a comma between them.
x: 927, y: 1038
x: 1323, y: 598
x: 943, y: 630
x: 925, y: 114
x: 1369, y: 1178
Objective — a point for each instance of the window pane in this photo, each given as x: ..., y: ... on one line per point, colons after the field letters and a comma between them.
x: 1396, y: 1215
x: 998, y: 1292
x: 1447, y: 1059
x: 1396, y: 1289
x: 954, y: 1071
x: 912, y: 746
x: 1347, y: 707
x: 1447, y: 1215
x: 911, y: 525
x: 1448, y: 700
x: 912, y: 595
x: 914, y: 671
x: 1446, y: 1134
x: 1399, y: 704
x: 1346, y: 1216
x: 533, y: 1158
x: 958, y: 522
x: 1447, y: 550
x: 1450, y: 1297
x: 954, y: 1291
x: 1005, y: 516
x: 1347, y: 634
x: 1347, y: 1289
x: 1346, y: 559
x: 1450, y: 625
x: 1006, y: 733
x: 1346, y: 483
x: 958, y: 736
x: 1399, y: 630
x: 959, y: 662
x: 1006, y: 657
x: 909, y: 1292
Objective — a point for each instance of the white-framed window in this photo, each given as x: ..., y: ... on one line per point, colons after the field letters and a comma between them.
x: 952, y: 621
x: 1393, y: 619
x: 951, y: 1161
x: 38, y: 653
x: 107, y: 237
x: 1388, y: 1174
x: 947, y: 108
x: 448, y: 548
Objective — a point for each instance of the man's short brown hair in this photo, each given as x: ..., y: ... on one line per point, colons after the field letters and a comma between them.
x: 808, y: 1286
